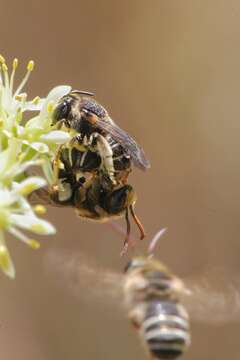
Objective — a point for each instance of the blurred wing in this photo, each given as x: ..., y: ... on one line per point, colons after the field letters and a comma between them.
x: 127, y: 142
x: 83, y: 277
x: 210, y: 298
x: 214, y: 298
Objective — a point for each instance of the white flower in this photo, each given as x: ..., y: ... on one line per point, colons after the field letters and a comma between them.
x: 13, y: 104
x: 24, y: 144
x: 16, y: 213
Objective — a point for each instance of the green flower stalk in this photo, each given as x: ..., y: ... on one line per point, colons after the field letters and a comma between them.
x: 24, y: 142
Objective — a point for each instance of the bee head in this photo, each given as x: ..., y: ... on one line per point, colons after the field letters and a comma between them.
x: 135, y: 263
x: 63, y: 109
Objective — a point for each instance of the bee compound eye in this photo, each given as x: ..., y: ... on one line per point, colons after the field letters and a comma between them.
x: 62, y: 111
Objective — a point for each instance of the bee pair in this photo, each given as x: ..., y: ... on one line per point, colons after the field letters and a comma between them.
x: 91, y: 171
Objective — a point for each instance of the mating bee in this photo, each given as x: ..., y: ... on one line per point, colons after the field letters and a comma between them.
x: 96, y: 163
x: 91, y: 199
x: 97, y: 132
x: 152, y: 296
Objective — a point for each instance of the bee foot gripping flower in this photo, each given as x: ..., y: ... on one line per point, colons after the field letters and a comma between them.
x: 24, y: 144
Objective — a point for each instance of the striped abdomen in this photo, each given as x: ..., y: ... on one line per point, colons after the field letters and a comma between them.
x: 121, y: 161
x: 166, y: 329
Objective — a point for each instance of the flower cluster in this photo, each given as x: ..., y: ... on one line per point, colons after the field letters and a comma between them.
x: 24, y: 142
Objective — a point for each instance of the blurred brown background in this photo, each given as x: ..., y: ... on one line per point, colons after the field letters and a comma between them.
x: 169, y: 73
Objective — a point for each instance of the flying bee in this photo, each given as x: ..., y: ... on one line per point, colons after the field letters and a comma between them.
x: 97, y: 132
x: 152, y: 295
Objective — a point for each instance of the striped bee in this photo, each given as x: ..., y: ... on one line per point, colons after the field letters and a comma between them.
x: 91, y: 171
x: 97, y: 132
x: 152, y: 295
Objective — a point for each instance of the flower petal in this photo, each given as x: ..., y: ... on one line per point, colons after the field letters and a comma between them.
x: 31, y: 106
x: 8, y: 157
x: 6, y: 263
x: 33, y: 223
x: 39, y: 147
x: 54, y: 95
x: 30, y: 184
x: 56, y: 137
x: 7, y: 197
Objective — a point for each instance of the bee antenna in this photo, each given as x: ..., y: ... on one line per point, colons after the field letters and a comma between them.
x: 154, y: 241
x: 82, y: 92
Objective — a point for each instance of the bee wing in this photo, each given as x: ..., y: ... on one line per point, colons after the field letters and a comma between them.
x: 77, y: 272
x: 213, y: 297
x: 127, y: 142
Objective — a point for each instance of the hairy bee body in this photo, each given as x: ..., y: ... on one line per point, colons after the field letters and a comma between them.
x: 83, y: 186
x: 89, y: 160
x: 97, y: 132
x: 153, y: 299
x: 77, y: 116
x: 91, y: 171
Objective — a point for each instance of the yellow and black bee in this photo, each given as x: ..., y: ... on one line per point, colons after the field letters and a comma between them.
x: 92, y: 200
x: 152, y: 295
x: 94, y: 166
x: 97, y: 132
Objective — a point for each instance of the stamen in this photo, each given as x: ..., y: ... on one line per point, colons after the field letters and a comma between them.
x: 23, y: 155
x: 4, y: 257
x: 40, y: 209
x: 4, y: 67
x: 22, y: 99
x: 30, y: 242
x: 5, y: 260
x: 5, y: 73
x: 2, y: 60
x: 1, y: 78
x: 15, y: 63
x: 34, y: 244
x: 35, y: 101
x: 14, y: 67
x: 30, y: 67
x: 50, y: 107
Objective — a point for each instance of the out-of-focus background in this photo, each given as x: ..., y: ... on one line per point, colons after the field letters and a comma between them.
x: 169, y: 73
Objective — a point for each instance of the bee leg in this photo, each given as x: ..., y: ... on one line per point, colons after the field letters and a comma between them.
x: 106, y: 154
x: 138, y: 222
x: 76, y: 140
x: 59, y: 124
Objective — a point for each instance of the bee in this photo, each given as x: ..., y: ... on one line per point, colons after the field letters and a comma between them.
x: 91, y: 200
x: 152, y: 295
x: 97, y: 132
x: 91, y: 171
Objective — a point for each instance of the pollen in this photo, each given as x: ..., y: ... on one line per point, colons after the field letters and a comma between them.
x: 4, y: 258
x: 2, y: 60
x: 40, y: 209
x: 30, y: 65
x: 34, y: 244
x: 50, y: 107
x: 4, y: 67
x: 15, y: 64
x: 18, y: 97
x: 35, y: 101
